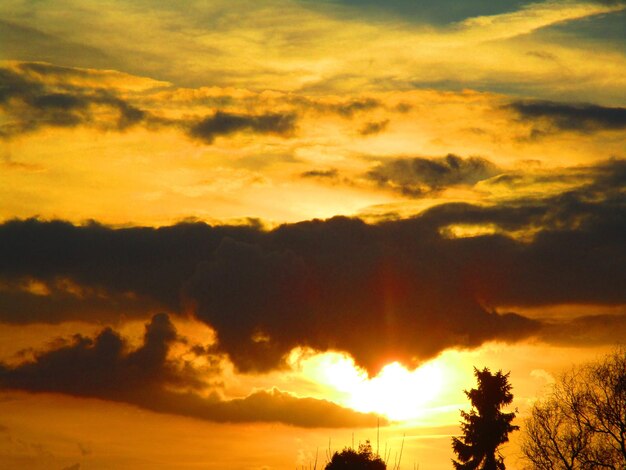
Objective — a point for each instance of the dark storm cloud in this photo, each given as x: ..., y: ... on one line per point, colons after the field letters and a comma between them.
x: 271, y: 406
x: 14, y: 85
x: 605, y: 180
x: 102, y: 367
x: 58, y: 304
x: 133, y: 263
x: 36, y: 95
x: 225, y: 123
x: 586, y: 330
x: 332, y: 173
x: 105, y: 367
x: 374, y: 127
x: 346, y: 109
x: 397, y: 290
x: 418, y: 176
x: 550, y: 116
x: 33, y: 104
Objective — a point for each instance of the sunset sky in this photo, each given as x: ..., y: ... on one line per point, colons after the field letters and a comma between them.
x: 235, y: 234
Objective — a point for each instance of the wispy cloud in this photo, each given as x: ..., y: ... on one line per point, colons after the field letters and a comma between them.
x: 300, y: 53
x: 530, y: 18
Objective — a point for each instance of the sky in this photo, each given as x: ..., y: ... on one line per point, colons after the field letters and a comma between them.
x: 244, y: 235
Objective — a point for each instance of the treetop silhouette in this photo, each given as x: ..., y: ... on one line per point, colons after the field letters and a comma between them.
x: 350, y: 459
x: 485, y: 427
x: 581, y: 423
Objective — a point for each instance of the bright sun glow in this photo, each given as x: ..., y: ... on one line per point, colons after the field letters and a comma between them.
x: 395, y: 392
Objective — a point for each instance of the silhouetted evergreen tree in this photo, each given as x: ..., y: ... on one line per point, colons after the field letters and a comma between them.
x: 485, y: 426
x: 350, y: 459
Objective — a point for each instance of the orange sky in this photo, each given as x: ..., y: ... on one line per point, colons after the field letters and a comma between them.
x: 232, y: 232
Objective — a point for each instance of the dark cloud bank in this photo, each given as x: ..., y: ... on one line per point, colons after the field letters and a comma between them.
x: 222, y: 123
x: 32, y: 104
x: 550, y: 116
x: 418, y: 176
x: 38, y: 95
x: 105, y: 367
x: 396, y: 290
x: 374, y: 127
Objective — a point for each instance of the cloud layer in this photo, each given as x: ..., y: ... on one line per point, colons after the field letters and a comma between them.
x: 397, y: 290
x: 105, y: 367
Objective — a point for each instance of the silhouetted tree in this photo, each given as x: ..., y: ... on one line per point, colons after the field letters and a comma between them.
x: 350, y: 459
x: 582, y: 423
x: 486, y: 427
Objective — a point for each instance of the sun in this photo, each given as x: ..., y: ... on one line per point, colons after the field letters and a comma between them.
x: 395, y: 392
x: 399, y: 393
